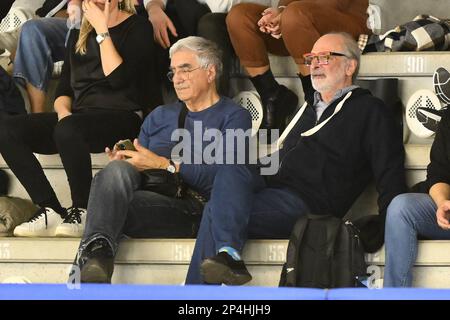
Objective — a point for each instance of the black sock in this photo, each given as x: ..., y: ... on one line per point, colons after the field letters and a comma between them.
x: 308, y: 89
x: 266, y: 85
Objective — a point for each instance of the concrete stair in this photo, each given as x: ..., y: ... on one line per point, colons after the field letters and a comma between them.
x: 165, y: 261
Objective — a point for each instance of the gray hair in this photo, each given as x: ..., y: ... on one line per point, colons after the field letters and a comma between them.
x: 351, y: 50
x: 208, y: 53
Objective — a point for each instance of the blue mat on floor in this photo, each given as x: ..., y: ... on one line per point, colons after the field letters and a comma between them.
x: 153, y: 292
x: 160, y: 292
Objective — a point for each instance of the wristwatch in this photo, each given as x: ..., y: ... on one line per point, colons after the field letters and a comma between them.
x: 171, y: 168
x: 101, y: 37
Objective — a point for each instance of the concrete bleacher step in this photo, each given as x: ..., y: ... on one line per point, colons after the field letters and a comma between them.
x: 144, y: 261
x: 159, y: 261
x: 165, y: 261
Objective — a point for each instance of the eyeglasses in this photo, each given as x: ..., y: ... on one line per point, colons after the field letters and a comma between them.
x: 322, y: 58
x: 182, y: 72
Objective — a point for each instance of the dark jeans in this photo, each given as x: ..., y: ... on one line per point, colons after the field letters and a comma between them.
x: 117, y: 207
x: 212, y: 26
x: 74, y: 138
x: 242, y: 206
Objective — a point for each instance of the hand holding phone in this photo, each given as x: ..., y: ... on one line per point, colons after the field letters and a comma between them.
x: 125, y: 145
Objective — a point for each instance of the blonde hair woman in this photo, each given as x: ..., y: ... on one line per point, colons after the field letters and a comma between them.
x: 99, y: 101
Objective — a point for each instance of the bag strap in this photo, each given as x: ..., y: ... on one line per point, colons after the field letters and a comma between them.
x: 182, y: 119
x: 182, y: 116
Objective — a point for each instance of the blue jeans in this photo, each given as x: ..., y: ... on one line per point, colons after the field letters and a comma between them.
x: 408, y: 216
x: 41, y: 44
x: 242, y: 206
x: 117, y: 207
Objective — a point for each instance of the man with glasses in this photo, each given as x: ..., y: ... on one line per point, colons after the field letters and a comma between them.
x: 117, y: 204
x: 338, y: 144
x: 288, y: 29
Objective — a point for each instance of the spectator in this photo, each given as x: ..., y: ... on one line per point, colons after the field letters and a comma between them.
x: 28, y: 10
x: 414, y: 215
x: 340, y: 142
x: 46, y: 38
x: 118, y: 205
x: 176, y: 19
x: 290, y: 29
x: 99, y: 100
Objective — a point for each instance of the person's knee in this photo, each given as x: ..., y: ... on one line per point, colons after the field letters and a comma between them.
x: 295, y: 14
x: 400, y: 209
x: 31, y: 29
x: 66, y: 131
x: 236, y: 16
x: 210, y: 23
x: 234, y: 172
x: 115, y: 173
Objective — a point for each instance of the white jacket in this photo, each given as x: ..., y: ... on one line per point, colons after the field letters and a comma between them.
x: 221, y: 5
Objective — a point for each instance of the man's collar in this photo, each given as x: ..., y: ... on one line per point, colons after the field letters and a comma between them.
x: 340, y: 93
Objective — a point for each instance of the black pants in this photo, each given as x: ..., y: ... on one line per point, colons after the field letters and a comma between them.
x: 5, y: 5
x: 212, y: 26
x: 74, y: 138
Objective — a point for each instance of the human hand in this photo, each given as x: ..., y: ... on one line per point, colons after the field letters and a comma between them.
x: 143, y: 158
x: 74, y: 13
x: 267, y: 21
x: 112, y: 154
x: 97, y: 17
x: 443, y: 215
x: 161, y: 23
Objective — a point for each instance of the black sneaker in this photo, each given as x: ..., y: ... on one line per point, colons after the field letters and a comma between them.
x: 222, y: 268
x: 97, y: 262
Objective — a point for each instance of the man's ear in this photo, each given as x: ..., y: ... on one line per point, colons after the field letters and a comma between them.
x: 211, y: 74
x: 351, y: 67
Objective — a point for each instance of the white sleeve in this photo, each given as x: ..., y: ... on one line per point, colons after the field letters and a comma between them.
x: 146, y: 2
x: 225, y: 5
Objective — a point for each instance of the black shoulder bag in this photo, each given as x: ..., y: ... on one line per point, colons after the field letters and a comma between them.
x: 166, y: 183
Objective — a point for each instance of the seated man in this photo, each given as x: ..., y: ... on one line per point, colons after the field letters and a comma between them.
x: 419, y: 214
x: 117, y: 205
x: 290, y: 29
x: 341, y: 142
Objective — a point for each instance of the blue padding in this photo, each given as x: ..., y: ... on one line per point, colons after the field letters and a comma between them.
x: 160, y: 292
x: 153, y: 292
x: 388, y: 294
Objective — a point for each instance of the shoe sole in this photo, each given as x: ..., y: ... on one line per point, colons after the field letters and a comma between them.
x: 31, y: 234
x: 93, y: 273
x: 217, y: 273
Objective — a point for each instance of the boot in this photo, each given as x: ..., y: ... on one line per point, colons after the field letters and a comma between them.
x: 278, y: 108
x: 97, y: 262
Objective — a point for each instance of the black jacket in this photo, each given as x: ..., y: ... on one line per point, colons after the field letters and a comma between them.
x: 439, y: 168
x: 332, y: 167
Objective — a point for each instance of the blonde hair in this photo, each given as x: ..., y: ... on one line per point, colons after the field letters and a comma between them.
x: 86, y: 27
